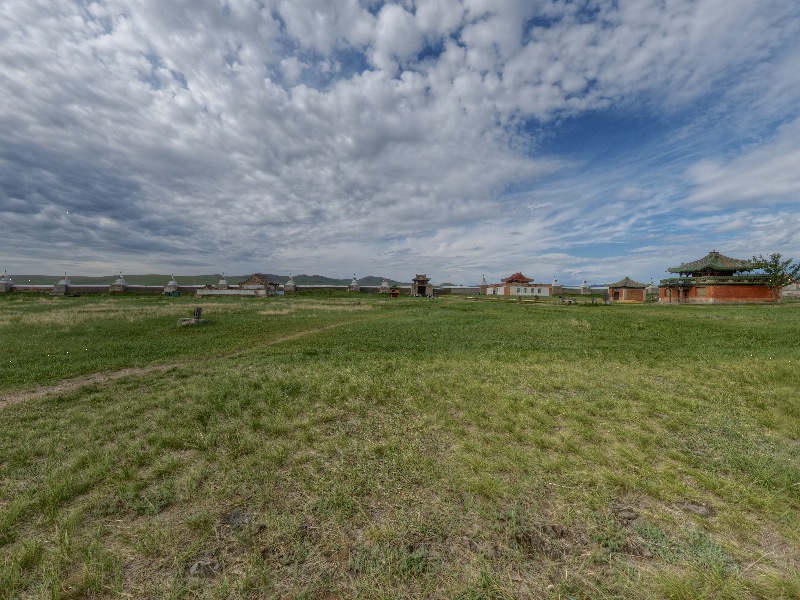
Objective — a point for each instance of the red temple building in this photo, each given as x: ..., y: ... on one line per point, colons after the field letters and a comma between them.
x: 627, y: 290
x: 715, y: 278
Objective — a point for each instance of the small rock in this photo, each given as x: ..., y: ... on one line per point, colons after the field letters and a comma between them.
x: 203, y: 568
x: 626, y: 514
x: 191, y: 322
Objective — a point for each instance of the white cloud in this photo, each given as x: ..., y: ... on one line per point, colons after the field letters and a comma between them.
x: 765, y: 175
x: 292, y: 69
x: 397, y: 39
x: 436, y: 18
x: 324, y: 25
x: 244, y: 132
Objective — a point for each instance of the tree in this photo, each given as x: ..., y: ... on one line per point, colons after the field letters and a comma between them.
x: 781, y: 272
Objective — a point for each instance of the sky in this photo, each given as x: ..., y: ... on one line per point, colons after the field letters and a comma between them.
x: 575, y: 139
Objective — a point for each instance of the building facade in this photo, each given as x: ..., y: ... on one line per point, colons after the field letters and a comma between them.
x: 627, y: 290
x: 421, y: 286
x: 518, y: 285
x: 715, y: 278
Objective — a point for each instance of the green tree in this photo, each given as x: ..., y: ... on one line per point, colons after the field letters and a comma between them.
x: 781, y: 271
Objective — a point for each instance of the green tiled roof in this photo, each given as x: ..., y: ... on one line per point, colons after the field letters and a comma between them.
x: 627, y: 283
x: 714, y: 261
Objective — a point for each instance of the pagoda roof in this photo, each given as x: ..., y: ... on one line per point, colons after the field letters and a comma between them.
x: 628, y: 283
x: 714, y: 261
x: 516, y: 278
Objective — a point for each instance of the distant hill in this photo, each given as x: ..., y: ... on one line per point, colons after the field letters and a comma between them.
x: 157, y: 279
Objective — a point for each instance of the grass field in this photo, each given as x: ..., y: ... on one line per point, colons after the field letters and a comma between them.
x: 413, y: 448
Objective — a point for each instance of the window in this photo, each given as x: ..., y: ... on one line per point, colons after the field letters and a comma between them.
x: 701, y: 292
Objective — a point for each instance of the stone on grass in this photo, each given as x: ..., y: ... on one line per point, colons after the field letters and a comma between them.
x: 204, y: 568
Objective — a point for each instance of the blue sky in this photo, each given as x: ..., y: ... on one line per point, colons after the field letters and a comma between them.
x: 459, y: 138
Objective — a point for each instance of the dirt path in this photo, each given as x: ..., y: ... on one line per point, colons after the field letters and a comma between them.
x: 69, y: 385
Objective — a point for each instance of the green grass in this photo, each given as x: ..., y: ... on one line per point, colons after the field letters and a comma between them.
x: 308, y: 447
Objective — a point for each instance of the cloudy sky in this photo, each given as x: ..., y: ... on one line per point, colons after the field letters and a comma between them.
x: 582, y: 139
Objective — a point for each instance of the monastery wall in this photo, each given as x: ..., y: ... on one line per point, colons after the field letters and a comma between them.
x: 739, y: 293
x: 718, y: 294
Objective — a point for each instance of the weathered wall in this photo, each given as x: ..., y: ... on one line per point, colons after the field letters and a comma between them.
x: 739, y: 293
x: 720, y: 294
x: 626, y: 295
x: 791, y: 291
x: 101, y: 289
x: 230, y: 292
x: 364, y: 289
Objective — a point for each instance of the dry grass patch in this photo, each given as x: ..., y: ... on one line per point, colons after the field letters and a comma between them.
x: 341, y: 457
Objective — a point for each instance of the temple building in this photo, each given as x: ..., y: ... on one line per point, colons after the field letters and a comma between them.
x: 627, y: 290
x: 518, y: 285
x: 715, y: 278
x: 422, y: 286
